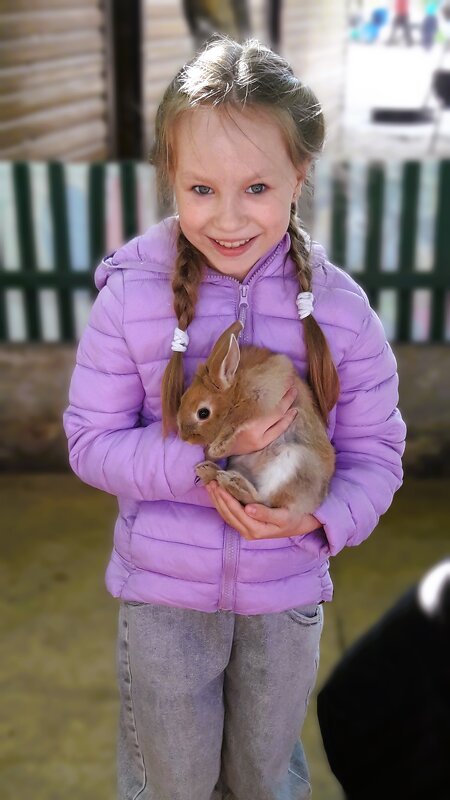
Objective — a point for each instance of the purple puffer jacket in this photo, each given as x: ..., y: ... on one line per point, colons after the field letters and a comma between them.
x: 171, y: 547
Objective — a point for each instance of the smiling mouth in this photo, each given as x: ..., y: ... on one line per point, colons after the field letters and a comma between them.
x: 232, y: 245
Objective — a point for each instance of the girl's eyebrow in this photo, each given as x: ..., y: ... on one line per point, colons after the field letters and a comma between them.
x: 256, y: 178
x: 192, y: 176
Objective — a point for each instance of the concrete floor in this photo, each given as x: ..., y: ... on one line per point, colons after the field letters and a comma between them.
x: 59, y: 705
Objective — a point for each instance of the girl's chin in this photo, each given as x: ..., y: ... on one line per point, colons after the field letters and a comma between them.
x: 231, y: 271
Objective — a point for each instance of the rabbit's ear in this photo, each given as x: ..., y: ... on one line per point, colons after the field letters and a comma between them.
x: 224, y: 359
x: 230, y: 363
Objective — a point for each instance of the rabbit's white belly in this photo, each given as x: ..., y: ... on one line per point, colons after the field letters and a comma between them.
x: 280, y: 469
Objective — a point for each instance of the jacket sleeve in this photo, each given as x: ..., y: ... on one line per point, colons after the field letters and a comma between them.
x: 108, y: 448
x: 369, y: 440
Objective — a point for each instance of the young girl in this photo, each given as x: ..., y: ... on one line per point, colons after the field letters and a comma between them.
x: 221, y: 615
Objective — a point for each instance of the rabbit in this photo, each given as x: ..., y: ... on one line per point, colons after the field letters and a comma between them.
x: 227, y: 392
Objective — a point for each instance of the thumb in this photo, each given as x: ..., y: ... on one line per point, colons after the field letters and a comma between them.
x: 273, y: 516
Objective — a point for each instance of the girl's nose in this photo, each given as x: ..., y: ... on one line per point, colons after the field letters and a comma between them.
x: 231, y: 216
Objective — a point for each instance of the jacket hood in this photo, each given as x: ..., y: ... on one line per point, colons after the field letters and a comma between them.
x: 155, y: 251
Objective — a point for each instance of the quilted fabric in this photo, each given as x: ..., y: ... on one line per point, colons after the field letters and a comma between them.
x: 170, y: 545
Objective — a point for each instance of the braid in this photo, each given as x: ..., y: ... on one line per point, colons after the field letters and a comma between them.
x: 188, y: 274
x: 185, y: 285
x: 322, y: 374
x: 299, y: 252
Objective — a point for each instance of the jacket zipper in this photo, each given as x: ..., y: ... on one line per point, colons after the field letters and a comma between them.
x: 232, y: 542
x: 231, y: 549
x: 243, y: 306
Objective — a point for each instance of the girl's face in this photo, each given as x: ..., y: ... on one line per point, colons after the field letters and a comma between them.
x: 234, y: 183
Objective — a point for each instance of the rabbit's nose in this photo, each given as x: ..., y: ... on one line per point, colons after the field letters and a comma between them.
x: 186, y: 430
x: 182, y: 429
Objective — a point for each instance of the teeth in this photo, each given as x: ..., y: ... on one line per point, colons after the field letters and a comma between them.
x: 232, y: 244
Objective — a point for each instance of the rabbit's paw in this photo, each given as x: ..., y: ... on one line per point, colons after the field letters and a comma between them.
x: 220, y: 447
x: 217, y: 450
x: 238, y: 486
x: 206, y: 471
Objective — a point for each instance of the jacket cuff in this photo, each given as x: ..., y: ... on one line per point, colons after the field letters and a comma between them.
x: 337, y: 521
x: 176, y: 452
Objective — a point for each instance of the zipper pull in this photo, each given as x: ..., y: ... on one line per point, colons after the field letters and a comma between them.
x: 243, y: 303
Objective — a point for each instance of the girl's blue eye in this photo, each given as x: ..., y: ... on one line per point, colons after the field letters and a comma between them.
x: 201, y: 189
x: 257, y: 188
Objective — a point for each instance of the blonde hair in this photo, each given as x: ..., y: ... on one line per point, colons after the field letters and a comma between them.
x: 232, y: 76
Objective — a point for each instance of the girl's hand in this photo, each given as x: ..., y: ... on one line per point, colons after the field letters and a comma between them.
x: 264, y: 430
x: 257, y: 521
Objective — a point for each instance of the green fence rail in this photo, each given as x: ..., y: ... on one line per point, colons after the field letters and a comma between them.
x: 55, y: 227
x: 416, y: 228
x: 388, y: 224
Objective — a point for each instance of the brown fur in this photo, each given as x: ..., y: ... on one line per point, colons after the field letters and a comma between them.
x: 238, y: 386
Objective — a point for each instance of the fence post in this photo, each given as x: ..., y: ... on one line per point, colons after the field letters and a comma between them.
x: 442, y: 252
x: 26, y: 244
x: 408, y: 228
x: 61, y: 250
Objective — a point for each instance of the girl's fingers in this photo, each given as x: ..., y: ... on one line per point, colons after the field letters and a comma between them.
x: 264, y: 430
x: 287, y: 400
x: 234, y: 516
x: 271, y: 516
x: 249, y: 527
x: 282, y: 407
x: 282, y: 417
x: 279, y: 427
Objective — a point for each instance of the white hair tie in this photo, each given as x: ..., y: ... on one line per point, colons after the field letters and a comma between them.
x: 305, y: 304
x: 180, y: 341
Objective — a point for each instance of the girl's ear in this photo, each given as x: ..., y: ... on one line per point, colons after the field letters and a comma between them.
x: 298, y: 188
x: 302, y: 172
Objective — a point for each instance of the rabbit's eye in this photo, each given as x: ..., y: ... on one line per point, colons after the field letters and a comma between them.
x: 203, y: 413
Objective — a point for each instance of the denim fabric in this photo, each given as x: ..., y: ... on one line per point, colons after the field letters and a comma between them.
x: 212, y: 705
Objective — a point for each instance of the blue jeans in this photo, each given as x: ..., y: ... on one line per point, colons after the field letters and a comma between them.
x: 212, y: 705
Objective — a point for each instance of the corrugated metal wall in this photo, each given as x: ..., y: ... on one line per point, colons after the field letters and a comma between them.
x: 167, y: 44
x: 56, y: 72
x: 53, y: 91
